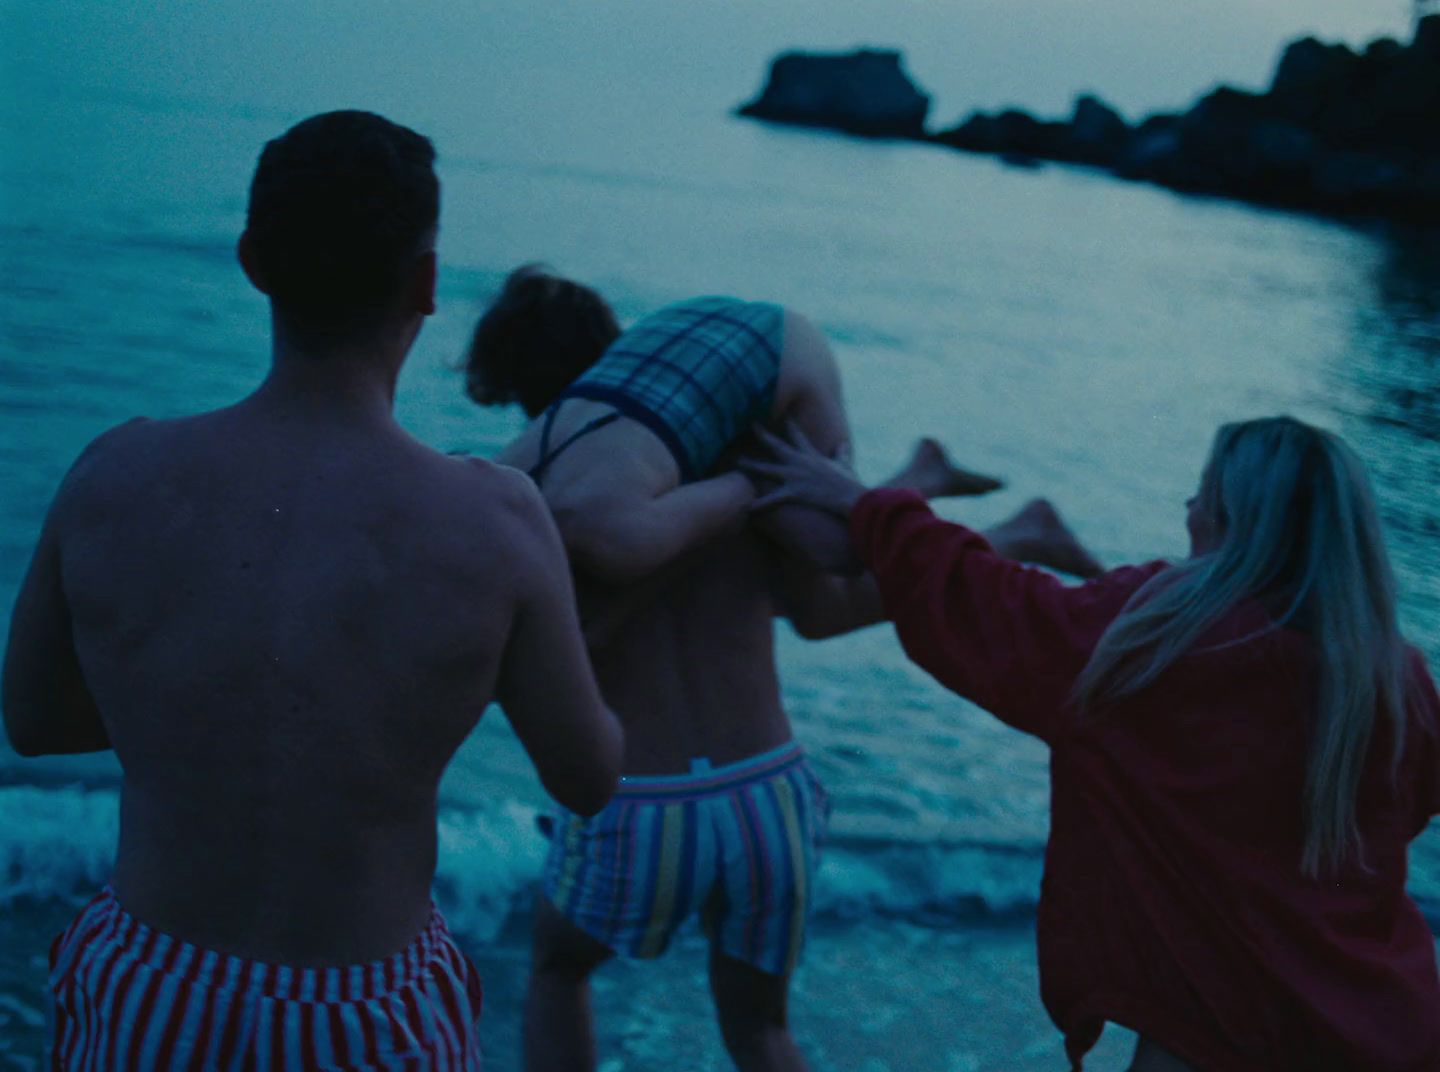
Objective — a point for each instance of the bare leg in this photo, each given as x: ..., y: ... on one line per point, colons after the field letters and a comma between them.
x: 559, y: 1026
x: 751, y: 1007
x: 931, y: 472
x: 1151, y: 1058
x: 1037, y: 534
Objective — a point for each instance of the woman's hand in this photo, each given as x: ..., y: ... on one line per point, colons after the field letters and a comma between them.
x: 796, y: 473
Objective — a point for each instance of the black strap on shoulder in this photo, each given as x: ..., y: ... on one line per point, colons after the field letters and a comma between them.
x: 547, y: 456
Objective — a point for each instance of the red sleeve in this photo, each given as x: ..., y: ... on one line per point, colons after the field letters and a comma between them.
x: 1009, y: 637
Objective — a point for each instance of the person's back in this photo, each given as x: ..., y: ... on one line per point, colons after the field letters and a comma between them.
x: 694, y: 673
x: 1190, y: 822
x: 289, y: 621
x: 630, y: 430
x: 285, y: 616
x: 691, y: 675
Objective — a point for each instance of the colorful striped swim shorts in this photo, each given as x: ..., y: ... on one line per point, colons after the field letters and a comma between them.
x: 697, y: 373
x: 738, y: 844
x: 130, y: 998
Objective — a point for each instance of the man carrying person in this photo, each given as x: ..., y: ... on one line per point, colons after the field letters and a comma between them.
x: 285, y: 616
x: 718, y: 812
x: 733, y: 834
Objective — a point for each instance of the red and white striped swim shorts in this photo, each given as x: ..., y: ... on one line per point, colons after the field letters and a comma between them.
x: 130, y: 998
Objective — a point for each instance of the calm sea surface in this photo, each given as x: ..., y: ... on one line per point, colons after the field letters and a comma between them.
x: 1079, y: 336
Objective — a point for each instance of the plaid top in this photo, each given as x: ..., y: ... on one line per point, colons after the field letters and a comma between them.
x: 696, y: 373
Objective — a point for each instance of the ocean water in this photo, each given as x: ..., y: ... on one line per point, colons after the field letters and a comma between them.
x: 1079, y: 336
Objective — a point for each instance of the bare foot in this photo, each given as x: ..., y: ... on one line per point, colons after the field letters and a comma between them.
x: 1037, y: 534
x: 931, y: 472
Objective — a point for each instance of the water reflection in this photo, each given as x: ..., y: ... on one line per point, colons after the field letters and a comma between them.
x: 1389, y: 382
x: 1407, y: 286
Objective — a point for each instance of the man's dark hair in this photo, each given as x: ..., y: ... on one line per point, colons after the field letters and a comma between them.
x: 340, y: 206
x: 539, y: 334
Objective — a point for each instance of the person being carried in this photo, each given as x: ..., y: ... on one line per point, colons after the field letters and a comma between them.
x: 629, y: 427
x: 719, y: 812
x: 285, y: 616
x: 1242, y: 748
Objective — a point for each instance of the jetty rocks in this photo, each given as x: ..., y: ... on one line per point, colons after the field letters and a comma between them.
x: 865, y: 92
x: 1337, y: 131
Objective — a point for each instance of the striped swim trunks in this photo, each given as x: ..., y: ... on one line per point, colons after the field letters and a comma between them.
x: 697, y: 373
x: 130, y: 998
x: 739, y: 844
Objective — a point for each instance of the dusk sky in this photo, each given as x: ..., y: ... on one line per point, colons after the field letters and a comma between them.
x: 968, y: 53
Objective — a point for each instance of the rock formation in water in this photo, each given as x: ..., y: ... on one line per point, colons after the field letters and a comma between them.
x: 1337, y: 130
x: 1094, y: 134
x: 865, y: 92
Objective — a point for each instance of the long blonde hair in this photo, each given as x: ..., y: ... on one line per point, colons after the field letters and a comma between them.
x: 1298, y: 527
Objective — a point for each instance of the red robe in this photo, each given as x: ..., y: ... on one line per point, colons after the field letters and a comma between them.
x: 1173, y: 900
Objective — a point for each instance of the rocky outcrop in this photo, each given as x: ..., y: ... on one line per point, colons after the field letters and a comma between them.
x: 1336, y: 131
x: 1094, y: 134
x: 865, y: 92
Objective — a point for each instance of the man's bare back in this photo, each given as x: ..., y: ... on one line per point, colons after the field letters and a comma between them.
x: 693, y: 674
x: 289, y: 622
x: 285, y: 616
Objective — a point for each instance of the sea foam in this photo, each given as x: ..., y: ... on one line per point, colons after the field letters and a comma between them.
x: 58, y: 843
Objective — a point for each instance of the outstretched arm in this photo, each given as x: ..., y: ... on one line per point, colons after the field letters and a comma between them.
x: 821, y: 605
x: 1035, y: 533
x: 546, y: 686
x: 1008, y: 637
x: 48, y: 708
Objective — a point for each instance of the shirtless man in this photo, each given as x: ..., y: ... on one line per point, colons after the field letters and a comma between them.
x: 711, y: 765
x: 285, y: 616
x: 718, y: 812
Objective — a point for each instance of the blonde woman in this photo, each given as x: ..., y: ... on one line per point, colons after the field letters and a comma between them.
x: 1242, y: 748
